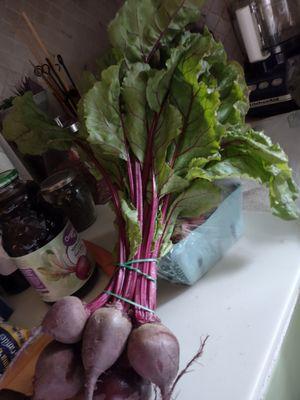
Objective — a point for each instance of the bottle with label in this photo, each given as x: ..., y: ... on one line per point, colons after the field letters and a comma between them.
x: 11, y: 279
x: 41, y: 241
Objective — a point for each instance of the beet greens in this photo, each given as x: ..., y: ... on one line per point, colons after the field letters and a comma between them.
x: 166, y: 122
x: 163, y: 124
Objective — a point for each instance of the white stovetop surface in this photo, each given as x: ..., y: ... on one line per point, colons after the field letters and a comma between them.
x: 244, y: 304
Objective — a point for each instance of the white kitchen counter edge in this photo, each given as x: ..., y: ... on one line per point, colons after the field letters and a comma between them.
x: 261, y: 388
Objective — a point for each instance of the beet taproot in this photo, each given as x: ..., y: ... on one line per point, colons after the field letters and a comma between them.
x: 153, y: 351
x: 59, y: 373
x: 65, y: 320
x: 121, y: 382
x: 125, y: 386
x: 103, y: 342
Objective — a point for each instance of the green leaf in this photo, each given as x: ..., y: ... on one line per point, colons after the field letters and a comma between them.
x: 278, y: 178
x: 198, y: 199
x: 243, y: 166
x: 258, y: 142
x: 86, y: 161
x: 86, y: 82
x: 157, y: 88
x: 168, y: 129
x: 233, y: 93
x: 211, y: 95
x: 251, y: 155
x: 199, y: 136
x: 108, y: 58
x: 197, y: 168
x: 102, y: 115
x: 283, y: 192
x: 194, y: 92
x: 167, y: 242
x: 32, y: 130
x: 170, y: 182
x: 160, y: 80
x: 115, y: 167
x: 134, y: 99
x: 133, y: 231
x: 140, y: 27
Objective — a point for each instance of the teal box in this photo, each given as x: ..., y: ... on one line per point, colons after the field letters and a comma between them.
x: 193, y: 256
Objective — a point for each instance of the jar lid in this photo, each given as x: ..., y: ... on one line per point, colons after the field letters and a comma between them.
x: 7, y: 177
x: 57, y: 180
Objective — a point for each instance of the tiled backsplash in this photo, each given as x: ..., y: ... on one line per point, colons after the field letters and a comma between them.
x: 77, y: 30
x: 216, y: 16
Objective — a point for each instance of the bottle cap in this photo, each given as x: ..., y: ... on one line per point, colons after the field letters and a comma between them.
x: 7, y: 177
x: 57, y: 181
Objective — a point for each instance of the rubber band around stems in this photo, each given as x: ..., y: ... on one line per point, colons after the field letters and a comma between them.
x: 128, y: 265
x: 133, y: 303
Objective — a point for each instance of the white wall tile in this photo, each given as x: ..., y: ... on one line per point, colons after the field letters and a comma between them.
x: 77, y: 30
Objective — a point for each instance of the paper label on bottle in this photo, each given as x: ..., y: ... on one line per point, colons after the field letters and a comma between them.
x: 59, y: 268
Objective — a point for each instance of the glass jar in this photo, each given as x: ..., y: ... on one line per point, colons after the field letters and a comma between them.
x: 11, y: 279
x: 65, y: 190
x: 41, y: 241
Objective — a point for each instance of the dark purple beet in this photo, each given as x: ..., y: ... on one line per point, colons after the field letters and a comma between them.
x: 104, y: 339
x: 153, y: 351
x: 58, y: 373
x: 65, y: 320
x: 121, y: 382
x: 122, y: 386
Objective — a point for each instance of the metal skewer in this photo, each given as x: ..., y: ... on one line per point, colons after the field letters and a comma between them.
x: 61, y: 62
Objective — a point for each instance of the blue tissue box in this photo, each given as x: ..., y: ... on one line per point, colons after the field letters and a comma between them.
x: 193, y: 256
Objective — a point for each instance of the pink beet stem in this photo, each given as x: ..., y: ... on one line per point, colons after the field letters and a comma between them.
x: 125, y: 283
x: 143, y: 284
x: 131, y: 276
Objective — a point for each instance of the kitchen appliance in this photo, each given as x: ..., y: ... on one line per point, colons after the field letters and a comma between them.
x: 270, y: 33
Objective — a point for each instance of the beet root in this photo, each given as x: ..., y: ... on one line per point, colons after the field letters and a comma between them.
x: 153, y: 351
x: 58, y: 374
x: 121, y: 383
x: 104, y: 339
x: 65, y: 320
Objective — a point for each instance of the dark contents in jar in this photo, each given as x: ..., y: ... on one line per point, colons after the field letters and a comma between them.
x: 68, y: 192
x: 27, y: 222
x: 28, y: 230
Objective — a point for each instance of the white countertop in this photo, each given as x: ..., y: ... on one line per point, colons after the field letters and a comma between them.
x: 244, y: 304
